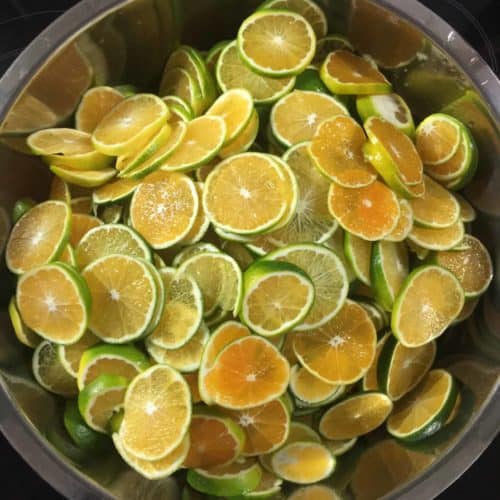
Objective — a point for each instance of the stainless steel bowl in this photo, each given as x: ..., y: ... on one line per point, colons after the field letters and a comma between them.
x: 127, y: 41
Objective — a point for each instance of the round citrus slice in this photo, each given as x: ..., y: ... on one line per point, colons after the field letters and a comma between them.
x: 180, y: 109
x: 50, y: 373
x: 279, y: 295
x: 163, y: 208
x: 355, y: 416
x: 444, y: 238
x: 339, y: 447
x: 129, y: 123
x: 122, y: 308
x: 96, y: 103
x: 358, y: 252
x: 122, y: 360
x: 315, y: 492
x: 303, y: 462
x: 201, y: 223
x: 276, y: 43
x: 389, y: 268
x: 438, y: 138
x: 430, y: 298
x: 370, y: 380
x: 100, y: 399
x: 423, y: 411
x: 342, y: 350
x: 404, y: 224
x: 265, y: 427
x: 54, y: 301
x: 327, y: 274
x: 244, y: 141
x: 467, y: 211
x: 310, y: 389
x: 24, y: 334
x: 38, y: 237
x: 248, y: 372
x: 84, y: 178
x: 232, y: 73
x: 238, y: 478
x: 158, y: 395
x: 337, y: 151
x: 370, y: 212
x: 179, y: 82
x: 401, y: 368
x: 346, y: 73
x: 70, y: 354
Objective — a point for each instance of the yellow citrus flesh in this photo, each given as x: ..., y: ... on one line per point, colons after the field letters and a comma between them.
x: 404, y: 224
x: 437, y: 238
x: 201, y: 222
x: 178, y: 82
x: 451, y: 168
x: 61, y: 141
x: 102, y: 407
x: 244, y: 140
x: 467, y: 211
x: 94, y: 106
x: 370, y: 380
x: 309, y: 388
x: 71, y: 354
x: 437, y: 139
x: 81, y: 224
x: 85, y: 178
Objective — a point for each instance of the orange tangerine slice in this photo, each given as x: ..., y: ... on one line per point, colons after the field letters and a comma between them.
x: 81, y: 224
x: 94, y: 106
x: 444, y: 238
x: 405, y: 222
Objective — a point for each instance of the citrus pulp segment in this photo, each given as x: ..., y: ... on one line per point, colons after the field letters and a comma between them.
x: 437, y: 238
x: 404, y: 224
x: 359, y: 253
x: 24, y: 334
x: 70, y: 354
x: 96, y: 103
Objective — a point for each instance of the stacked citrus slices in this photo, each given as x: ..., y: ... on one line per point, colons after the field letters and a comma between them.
x: 223, y: 277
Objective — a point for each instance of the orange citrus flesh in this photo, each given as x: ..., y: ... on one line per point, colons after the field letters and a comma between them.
x: 437, y: 140
x: 404, y: 224
x: 449, y: 168
x: 192, y: 380
x: 81, y: 224
x: 308, y: 387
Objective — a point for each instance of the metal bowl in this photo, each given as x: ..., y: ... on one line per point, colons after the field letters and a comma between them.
x: 128, y: 41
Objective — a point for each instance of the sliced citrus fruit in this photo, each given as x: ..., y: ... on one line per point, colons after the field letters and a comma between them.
x: 122, y: 308
x: 340, y: 446
x: 378, y: 315
x: 276, y: 43
x: 180, y: 109
x: 238, y: 478
x: 201, y: 223
x: 265, y: 427
x: 337, y: 151
x: 328, y: 44
x: 59, y: 190
x: 248, y: 372
x: 303, y: 462
x: 277, y: 296
x: 164, y: 207
x: 359, y: 253
x: 346, y: 73
x: 467, y: 211
x: 123, y: 360
x: 296, y: 117
x: 404, y: 224
x: 54, y: 302
x: 310, y: 389
x: 430, y: 298
x: 389, y: 268
x: 327, y: 274
x: 50, y: 373
x: 86, y: 178
x: 214, y: 53
x: 315, y: 492
x: 244, y: 141
x: 100, y: 399
x: 342, y: 350
x: 81, y: 224
x: 423, y: 411
x: 38, y: 237
x: 192, y: 250
x: 370, y: 380
x: 157, y: 395
x: 401, y: 368
x: 232, y: 73
x: 70, y: 354
x: 370, y: 212
x: 437, y: 238
x: 24, y: 334
x: 438, y: 138
x: 179, y: 82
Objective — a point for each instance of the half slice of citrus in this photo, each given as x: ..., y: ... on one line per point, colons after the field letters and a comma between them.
x: 359, y: 254
x: 70, y: 354
x: 96, y: 103
x: 114, y: 191
x: 405, y: 222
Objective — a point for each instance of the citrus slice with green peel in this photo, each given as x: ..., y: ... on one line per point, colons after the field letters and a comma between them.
x: 129, y: 124
x: 232, y: 73
x: 355, y: 416
x: 192, y: 250
x: 438, y: 138
x: 315, y: 492
x: 163, y: 208
x: 109, y: 239
x: 309, y: 80
x: 307, y: 8
x: 342, y: 350
x: 201, y: 222
x: 276, y: 43
x: 84, y: 178
x: 59, y: 190
x: 472, y: 266
x: 310, y: 389
x: 389, y: 107
x: 154, y: 469
x: 328, y: 44
x: 389, y: 267
x: 100, y: 399
x: 122, y: 308
x: 244, y: 141
x: 178, y: 106
x: 185, y: 359
x: 248, y: 372
x: 38, y: 237
x: 268, y: 486
x: 160, y: 297
x: 359, y: 253
x: 96, y: 103
x: 339, y: 447
x: 122, y: 360
x: 114, y: 191
x: 346, y: 73
x: 303, y: 462
x: 430, y: 298
x: 265, y: 427
x: 158, y: 395
x: 467, y: 211
x: 378, y: 315
x: 296, y: 117
x: 369, y: 212
x: 277, y: 296
x: 370, y: 380
x: 20, y: 207
x: 404, y: 224
x: 54, y: 301
x: 328, y: 277
x: 81, y: 224
x: 337, y: 151
x: 238, y: 478
x: 24, y: 334
x: 50, y: 373
x: 178, y: 82
x: 443, y: 239
x: 239, y: 253
x: 70, y: 354
x: 423, y: 411
x: 214, y: 53
x: 401, y: 368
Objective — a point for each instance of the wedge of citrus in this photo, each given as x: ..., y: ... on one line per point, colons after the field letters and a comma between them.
x: 96, y: 103
x: 405, y: 222
x: 81, y: 224
x: 370, y: 212
x: 430, y: 298
x: 330, y: 43
x: 342, y: 350
x: 337, y: 150
x: 70, y: 354
x: 243, y: 142
x: 85, y: 178
x: 359, y: 253
x: 370, y: 380
x: 443, y: 239
x: 24, y: 334
x: 467, y: 211
x: 310, y: 389
x: 346, y: 73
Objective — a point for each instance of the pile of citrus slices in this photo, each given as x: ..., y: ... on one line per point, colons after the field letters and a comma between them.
x: 245, y: 274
